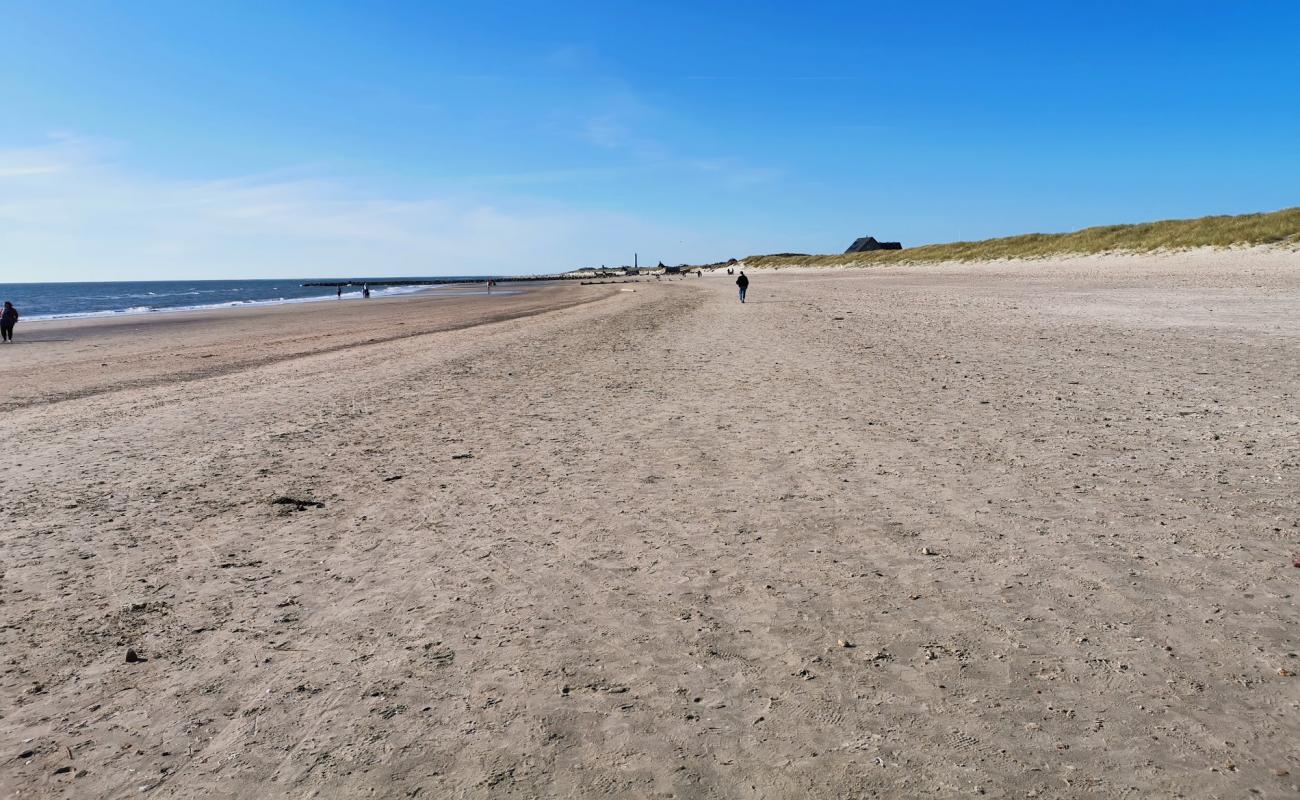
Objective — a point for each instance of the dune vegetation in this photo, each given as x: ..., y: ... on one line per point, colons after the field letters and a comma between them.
x: 1278, y: 227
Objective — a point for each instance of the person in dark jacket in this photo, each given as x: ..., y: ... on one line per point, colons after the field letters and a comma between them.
x: 8, y: 318
x: 743, y: 283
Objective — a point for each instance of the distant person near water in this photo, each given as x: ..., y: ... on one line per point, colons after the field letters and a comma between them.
x: 8, y: 319
x: 743, y: 283
x: 365, y: 291
x: 340, y: 292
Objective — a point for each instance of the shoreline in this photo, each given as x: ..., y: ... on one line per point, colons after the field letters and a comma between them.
x: 135, y: 311
x: 57, y: 359
x: 305, y: 305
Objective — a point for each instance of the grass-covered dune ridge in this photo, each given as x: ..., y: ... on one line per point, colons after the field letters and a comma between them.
x: 1278, y: 227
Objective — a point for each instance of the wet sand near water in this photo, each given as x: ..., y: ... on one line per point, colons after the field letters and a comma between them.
x: 66, y: 358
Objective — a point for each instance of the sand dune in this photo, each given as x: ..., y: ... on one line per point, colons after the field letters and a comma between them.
x: 933, y: 531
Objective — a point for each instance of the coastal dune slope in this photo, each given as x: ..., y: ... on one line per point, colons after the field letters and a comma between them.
x: 1275, y: 228
x: 913, y: 532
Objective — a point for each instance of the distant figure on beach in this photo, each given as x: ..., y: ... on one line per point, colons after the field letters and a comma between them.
x: 340, y: 294
x: 365, y: 291
x: 491, y: 283
x: 743, y: 283
x: 7, y: 321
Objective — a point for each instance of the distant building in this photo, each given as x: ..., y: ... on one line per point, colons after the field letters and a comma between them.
x: 867, y: 244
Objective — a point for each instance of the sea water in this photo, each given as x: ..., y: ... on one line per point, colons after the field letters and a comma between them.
x: 57, y: 300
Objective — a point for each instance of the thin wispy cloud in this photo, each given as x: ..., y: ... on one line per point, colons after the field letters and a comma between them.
x: 625, y: 124
x: 28, y: 161
x: 550, y: 176
x: 86, y: 213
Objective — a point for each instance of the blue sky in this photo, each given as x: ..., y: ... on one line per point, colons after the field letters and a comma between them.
x: 226, y: 139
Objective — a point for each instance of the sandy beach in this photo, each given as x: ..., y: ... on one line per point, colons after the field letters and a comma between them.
x: 999, y: 530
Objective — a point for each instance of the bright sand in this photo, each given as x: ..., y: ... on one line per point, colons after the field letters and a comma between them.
x: 916, y: 531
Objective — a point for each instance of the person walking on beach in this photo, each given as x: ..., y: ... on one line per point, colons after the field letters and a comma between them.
x: 8, y: 318
x: 743, y: 283
x: 340, y: 292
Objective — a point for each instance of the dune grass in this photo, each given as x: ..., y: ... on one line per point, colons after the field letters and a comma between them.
x: 1278, y: 227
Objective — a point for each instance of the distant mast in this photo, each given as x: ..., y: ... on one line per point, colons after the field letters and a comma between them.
x: 634, y: 264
